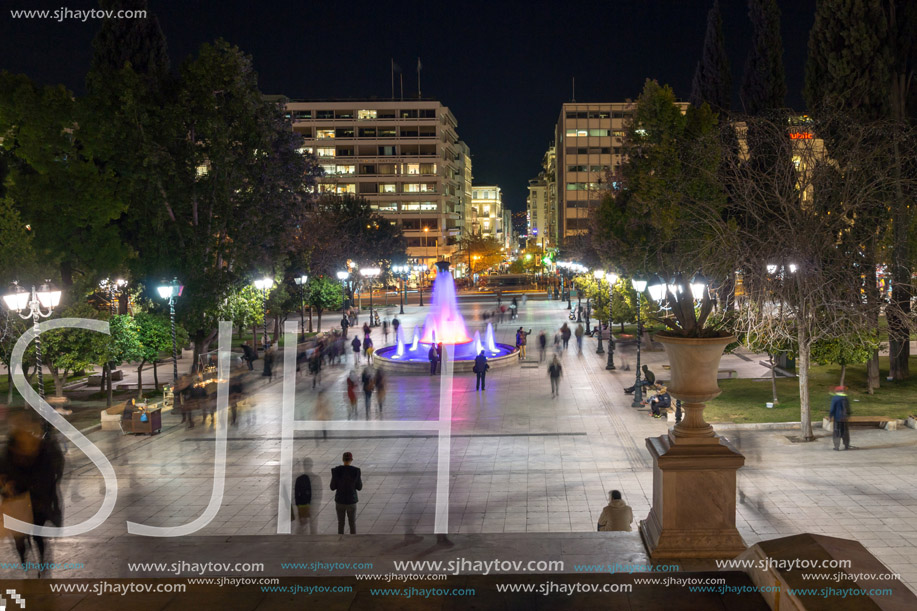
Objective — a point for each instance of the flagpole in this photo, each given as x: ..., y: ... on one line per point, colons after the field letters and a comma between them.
x: 418, y: 78
x: 401, y: 78
x: 393, y: 78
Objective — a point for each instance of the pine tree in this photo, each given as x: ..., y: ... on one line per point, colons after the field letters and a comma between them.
x: 764, y: 81
x: 862, y: 58
x: 712, y: 79
x: 137, y: 42
x: 848, y: 67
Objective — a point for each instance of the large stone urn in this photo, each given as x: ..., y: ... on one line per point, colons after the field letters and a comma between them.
x: 694, y: 470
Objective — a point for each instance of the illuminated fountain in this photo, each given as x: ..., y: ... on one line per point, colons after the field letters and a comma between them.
x: 443, y: 324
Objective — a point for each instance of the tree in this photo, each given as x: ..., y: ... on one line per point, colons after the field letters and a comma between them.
x: 862, y: 56
x: 670, y: 168
x: 801, y: 262
x: 51, y: 163
x: 712, y: 79
x: 344, y: 227
x: 479, y: 251
x: 325, y: 294
x: 764, y: 80
x: 154, y: 333
x: 65, y: 351
x: 844, y: 350
x: 135, y: 43
x: 227, y: 189
x: 120, y: 346
x: 624, y: 302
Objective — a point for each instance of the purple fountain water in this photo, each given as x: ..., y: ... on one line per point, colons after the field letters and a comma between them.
x: 444, y: 324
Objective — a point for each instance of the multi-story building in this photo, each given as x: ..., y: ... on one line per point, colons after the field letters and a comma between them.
x: 466, y: 178
x: 541, y: 204
x: 508, y: 233
x: 487, y: 211
x: 404, y: 157
x: 536, y: 208
x: 589, y: 139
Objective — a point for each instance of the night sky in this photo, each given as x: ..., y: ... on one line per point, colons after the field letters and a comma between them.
x: 504, y: 68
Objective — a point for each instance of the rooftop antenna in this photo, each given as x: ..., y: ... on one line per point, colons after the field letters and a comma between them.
x: 574, y: 89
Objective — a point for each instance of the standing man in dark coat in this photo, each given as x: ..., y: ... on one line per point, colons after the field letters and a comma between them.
x: 433, y: 355
x: 344, y: 325
x: 480, y: 369
x: 840, y: 413
x: 345, y: 481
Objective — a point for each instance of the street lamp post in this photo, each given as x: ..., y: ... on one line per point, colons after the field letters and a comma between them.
x: 657, y: 290
x: 170, y: 292
x: 599, y: 274
x: 611, y: 277
x: 264, y: 285
x: 29, y: 305
x: 369, y: 273
x: 401, y: 272
x: 112, y: 286
x: 421, y: 270
x: 301, y: 283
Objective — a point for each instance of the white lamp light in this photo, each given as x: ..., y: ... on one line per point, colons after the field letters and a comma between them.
x: 598, y: 274
x: 612, y: 278
x: 698, y: 286
x: 301, y: 280
x: 17, y: 299
x: 264, y: 284
x: 48, y: 296
x: 657, y: 288
x: 639, y: 283
x: 343, y: 275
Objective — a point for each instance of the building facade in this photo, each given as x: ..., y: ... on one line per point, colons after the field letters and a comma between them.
x: 487, y: 211
x: 541, y: 203
x: 589, y: 140
x: 404, y: 157
x: 466, y: 178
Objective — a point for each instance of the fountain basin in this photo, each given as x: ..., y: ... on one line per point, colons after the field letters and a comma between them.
x: 416, y: 361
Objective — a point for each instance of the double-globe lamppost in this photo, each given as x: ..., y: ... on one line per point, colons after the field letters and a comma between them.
x: 264, y: 285
x: 611, y: 278
x: 402, y: 271
x: 301, y: 281
x: 421, y: 271
x: 639, y: 284
x: 369, y: 273
x: 112, y: 286
x: 599, y: 274
x: 29, y: 304
x: 171, y: 292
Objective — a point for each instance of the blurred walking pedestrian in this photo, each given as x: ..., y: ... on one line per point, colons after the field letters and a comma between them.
x: 434, y: 359
x: 579, y: 338
x: 555, y: 372
x: 542, y: 346
x: 356, y: 349
x: 379, y: 380
x: 322, y: 412
x: 353, y: 380
x: 307, y: 496
x: 369, y: 384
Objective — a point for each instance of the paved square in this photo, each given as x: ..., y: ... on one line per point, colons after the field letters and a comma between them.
x: 521, y: 461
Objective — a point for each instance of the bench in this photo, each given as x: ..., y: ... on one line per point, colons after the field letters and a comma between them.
x: 729, y: 373
x: 95, y: 379
x: 882, y: 422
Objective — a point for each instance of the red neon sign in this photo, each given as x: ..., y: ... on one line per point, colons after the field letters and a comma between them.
x: 801, y: 136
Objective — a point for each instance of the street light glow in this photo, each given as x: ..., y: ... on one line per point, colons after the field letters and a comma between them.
x: 264, y: 284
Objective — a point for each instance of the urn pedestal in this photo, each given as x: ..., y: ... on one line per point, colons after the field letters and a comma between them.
x: 694, y: 470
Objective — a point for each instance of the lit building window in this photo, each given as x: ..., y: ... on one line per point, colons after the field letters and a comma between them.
x: 323, y: 134
x: 412, y: 168
x: 305, y: 150
x: 325, y: 152
x: 346, y: 169
x: 575, y: 133
x: 364, y: 115
x: 387, y: 188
